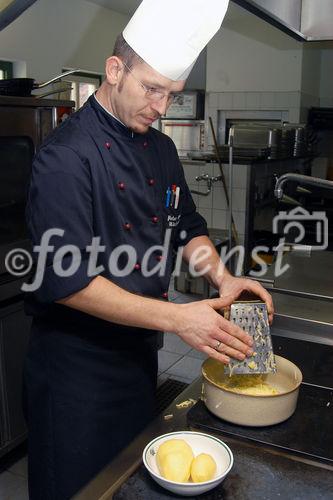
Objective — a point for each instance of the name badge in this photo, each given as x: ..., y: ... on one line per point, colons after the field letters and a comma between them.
x: 173, y: 220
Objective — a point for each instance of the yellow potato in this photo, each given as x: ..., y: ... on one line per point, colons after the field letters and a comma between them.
x: 174, y: 458
x: 172, y: 445
x: 176, y: 466
x: 253, y: 385
x: 203, y: 468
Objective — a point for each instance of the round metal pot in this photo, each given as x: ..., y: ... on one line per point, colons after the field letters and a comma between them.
x: 256, y: 411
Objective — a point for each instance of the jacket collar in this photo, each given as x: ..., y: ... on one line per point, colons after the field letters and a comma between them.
x: 109, y: 121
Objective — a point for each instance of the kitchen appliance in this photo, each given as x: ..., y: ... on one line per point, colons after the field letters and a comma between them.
x: 188, y: 135
x: 184, y: 123
x: 16, y: 155
x: 24, y: 124
x: 243, y: 409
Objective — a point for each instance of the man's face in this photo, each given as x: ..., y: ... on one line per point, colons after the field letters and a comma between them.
x: 130, y: 102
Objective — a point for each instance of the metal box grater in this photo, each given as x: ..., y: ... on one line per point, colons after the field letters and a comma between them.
x: 252, y: 317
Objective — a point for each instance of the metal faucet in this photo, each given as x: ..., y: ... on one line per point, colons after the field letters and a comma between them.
x: 209, y: 180
x: 302, y: 179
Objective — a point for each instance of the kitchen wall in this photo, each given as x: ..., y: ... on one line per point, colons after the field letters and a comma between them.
x: 249, y: 55
x: 53, y: 34
x: 197, y: 77
x: 252, y: 65
x: 214, y: 207
x: 310, y: 80
x: 326, y: 75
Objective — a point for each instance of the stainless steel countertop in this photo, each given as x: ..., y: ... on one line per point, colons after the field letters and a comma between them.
x: 119, y: 470
x: 304, y: 308
x: 308, y: 275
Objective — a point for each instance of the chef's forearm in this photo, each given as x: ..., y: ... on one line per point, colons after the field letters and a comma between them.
x: 105, y: 300
x: 206, y: 260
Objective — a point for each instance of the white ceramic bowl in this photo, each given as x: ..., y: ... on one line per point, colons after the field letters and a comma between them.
x: 200, y: 443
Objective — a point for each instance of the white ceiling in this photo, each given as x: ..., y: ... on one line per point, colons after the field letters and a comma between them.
x: 123, y: 6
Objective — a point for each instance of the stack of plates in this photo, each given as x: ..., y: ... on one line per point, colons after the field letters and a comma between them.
x: 244, y: 153
x: 287, y: 142
x: 281, y: 141
x: 299, y: 139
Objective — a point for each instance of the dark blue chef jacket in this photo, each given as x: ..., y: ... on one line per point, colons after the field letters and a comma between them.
x: 89, y: 384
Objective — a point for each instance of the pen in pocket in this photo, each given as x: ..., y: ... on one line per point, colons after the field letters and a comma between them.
x: 173, y: 194
x: 177, y: 197
x: 168, y: 196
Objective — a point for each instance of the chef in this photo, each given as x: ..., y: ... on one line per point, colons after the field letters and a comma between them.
x: 109, y: 200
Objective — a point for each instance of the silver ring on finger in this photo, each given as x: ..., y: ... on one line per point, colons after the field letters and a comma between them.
x: 217, y: 345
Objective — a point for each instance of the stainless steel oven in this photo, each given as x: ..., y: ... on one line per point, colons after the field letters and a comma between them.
x: 184, y: 122
x: 24, y: 124
x: 188, y: 135
x: 16, y: 155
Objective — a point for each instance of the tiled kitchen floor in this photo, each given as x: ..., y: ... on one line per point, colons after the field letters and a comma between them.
x: 14, y: 481
x: 176, y: 360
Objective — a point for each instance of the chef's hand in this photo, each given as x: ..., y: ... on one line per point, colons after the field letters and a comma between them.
x: 233, y: 287
x: 202, y: 327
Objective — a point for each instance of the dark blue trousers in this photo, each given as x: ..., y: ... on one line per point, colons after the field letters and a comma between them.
x: 85, y: 397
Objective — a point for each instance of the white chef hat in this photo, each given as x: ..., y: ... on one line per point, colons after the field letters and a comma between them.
x: 170, y: 34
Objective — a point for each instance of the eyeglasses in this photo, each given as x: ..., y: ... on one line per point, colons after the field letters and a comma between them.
x: 153, y: 94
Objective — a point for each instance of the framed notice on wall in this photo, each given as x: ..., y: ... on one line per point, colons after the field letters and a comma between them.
x: 188, y: 105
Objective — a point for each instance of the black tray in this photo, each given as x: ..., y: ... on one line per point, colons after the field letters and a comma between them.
x: 308, y: 432
x: 256, y: 475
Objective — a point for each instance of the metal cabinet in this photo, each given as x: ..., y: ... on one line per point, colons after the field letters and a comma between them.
x: 14, y: 337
